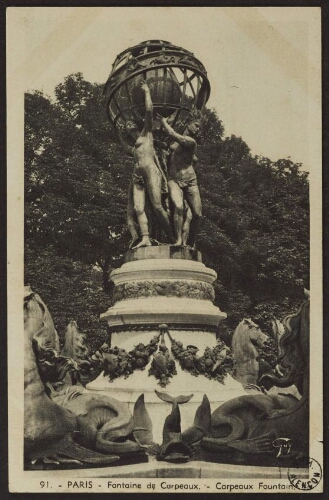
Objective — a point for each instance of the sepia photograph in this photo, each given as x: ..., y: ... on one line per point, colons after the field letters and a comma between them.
x: 164, y: 179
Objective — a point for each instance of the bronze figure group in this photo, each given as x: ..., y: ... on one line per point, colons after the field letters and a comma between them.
x: 153, y: 181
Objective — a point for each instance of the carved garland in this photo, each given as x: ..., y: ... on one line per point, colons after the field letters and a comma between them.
x: 170, y: 288
x: 116, y: 362
x: 214, y: 364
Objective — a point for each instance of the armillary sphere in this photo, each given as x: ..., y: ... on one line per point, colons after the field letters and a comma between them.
x: 177, y: 80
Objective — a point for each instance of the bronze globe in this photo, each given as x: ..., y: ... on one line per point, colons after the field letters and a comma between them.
x: 177, y: 80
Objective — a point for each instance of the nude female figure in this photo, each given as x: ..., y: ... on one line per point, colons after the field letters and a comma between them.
x: 147, y: 177
x: 182, y: 182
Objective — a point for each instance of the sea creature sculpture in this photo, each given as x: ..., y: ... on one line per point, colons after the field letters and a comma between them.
x: 177, y: 446
x: 174, y: 448
x: 104, y: 423
x: 81, y: 428
x: 252, y: 423
x: 245, y: 340
x: 261, y: 423
x: 293, y: 362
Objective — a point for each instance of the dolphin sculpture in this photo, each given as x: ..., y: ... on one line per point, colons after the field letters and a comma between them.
x: 176, y: 445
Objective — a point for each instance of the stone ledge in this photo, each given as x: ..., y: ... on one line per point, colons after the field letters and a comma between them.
x: 162, y: 252
x: 195, y: 469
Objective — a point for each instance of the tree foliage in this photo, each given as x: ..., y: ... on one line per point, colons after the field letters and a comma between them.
x: 254, y: 232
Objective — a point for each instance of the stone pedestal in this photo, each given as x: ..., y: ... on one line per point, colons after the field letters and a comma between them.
x: 168, y: 285
x: 156, y: 285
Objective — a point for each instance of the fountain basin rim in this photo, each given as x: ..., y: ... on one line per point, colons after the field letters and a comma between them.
x: 157, y: 310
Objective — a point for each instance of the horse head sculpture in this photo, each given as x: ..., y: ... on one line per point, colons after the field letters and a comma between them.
x: 45, y: 423
x: 245, y: 340
x: 270, y: 423
x: 70, y: 424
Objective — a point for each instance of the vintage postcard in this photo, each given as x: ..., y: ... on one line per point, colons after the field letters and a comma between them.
x: 164, y: 250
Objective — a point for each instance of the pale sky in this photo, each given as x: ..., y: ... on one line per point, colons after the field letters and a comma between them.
x: 263, y: 63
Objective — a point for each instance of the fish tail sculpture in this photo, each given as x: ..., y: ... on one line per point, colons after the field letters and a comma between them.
x: 173, y: 448
x: 201, y: 424
x: 176, y: 446
x: 174, y: 400
x: 143, y: 428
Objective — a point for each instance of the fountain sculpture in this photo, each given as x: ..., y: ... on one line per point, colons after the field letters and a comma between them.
x: 155, y: 98
x: 163, y: 321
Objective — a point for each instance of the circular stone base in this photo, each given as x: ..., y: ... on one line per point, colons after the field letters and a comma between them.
x: 163, y: 290
x: 162, y: 252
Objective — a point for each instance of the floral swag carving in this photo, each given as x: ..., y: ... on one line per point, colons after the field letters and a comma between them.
x: 170, y: 288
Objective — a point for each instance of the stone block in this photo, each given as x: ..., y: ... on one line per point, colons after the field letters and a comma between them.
x: 228, y: 471
x: 180, y: 471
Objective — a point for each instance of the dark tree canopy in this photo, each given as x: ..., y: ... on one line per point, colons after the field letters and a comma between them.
x: 254, y: 231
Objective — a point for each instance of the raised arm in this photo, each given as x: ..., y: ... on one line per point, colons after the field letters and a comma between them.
x: 184, y: 140
x: 148, y: 124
